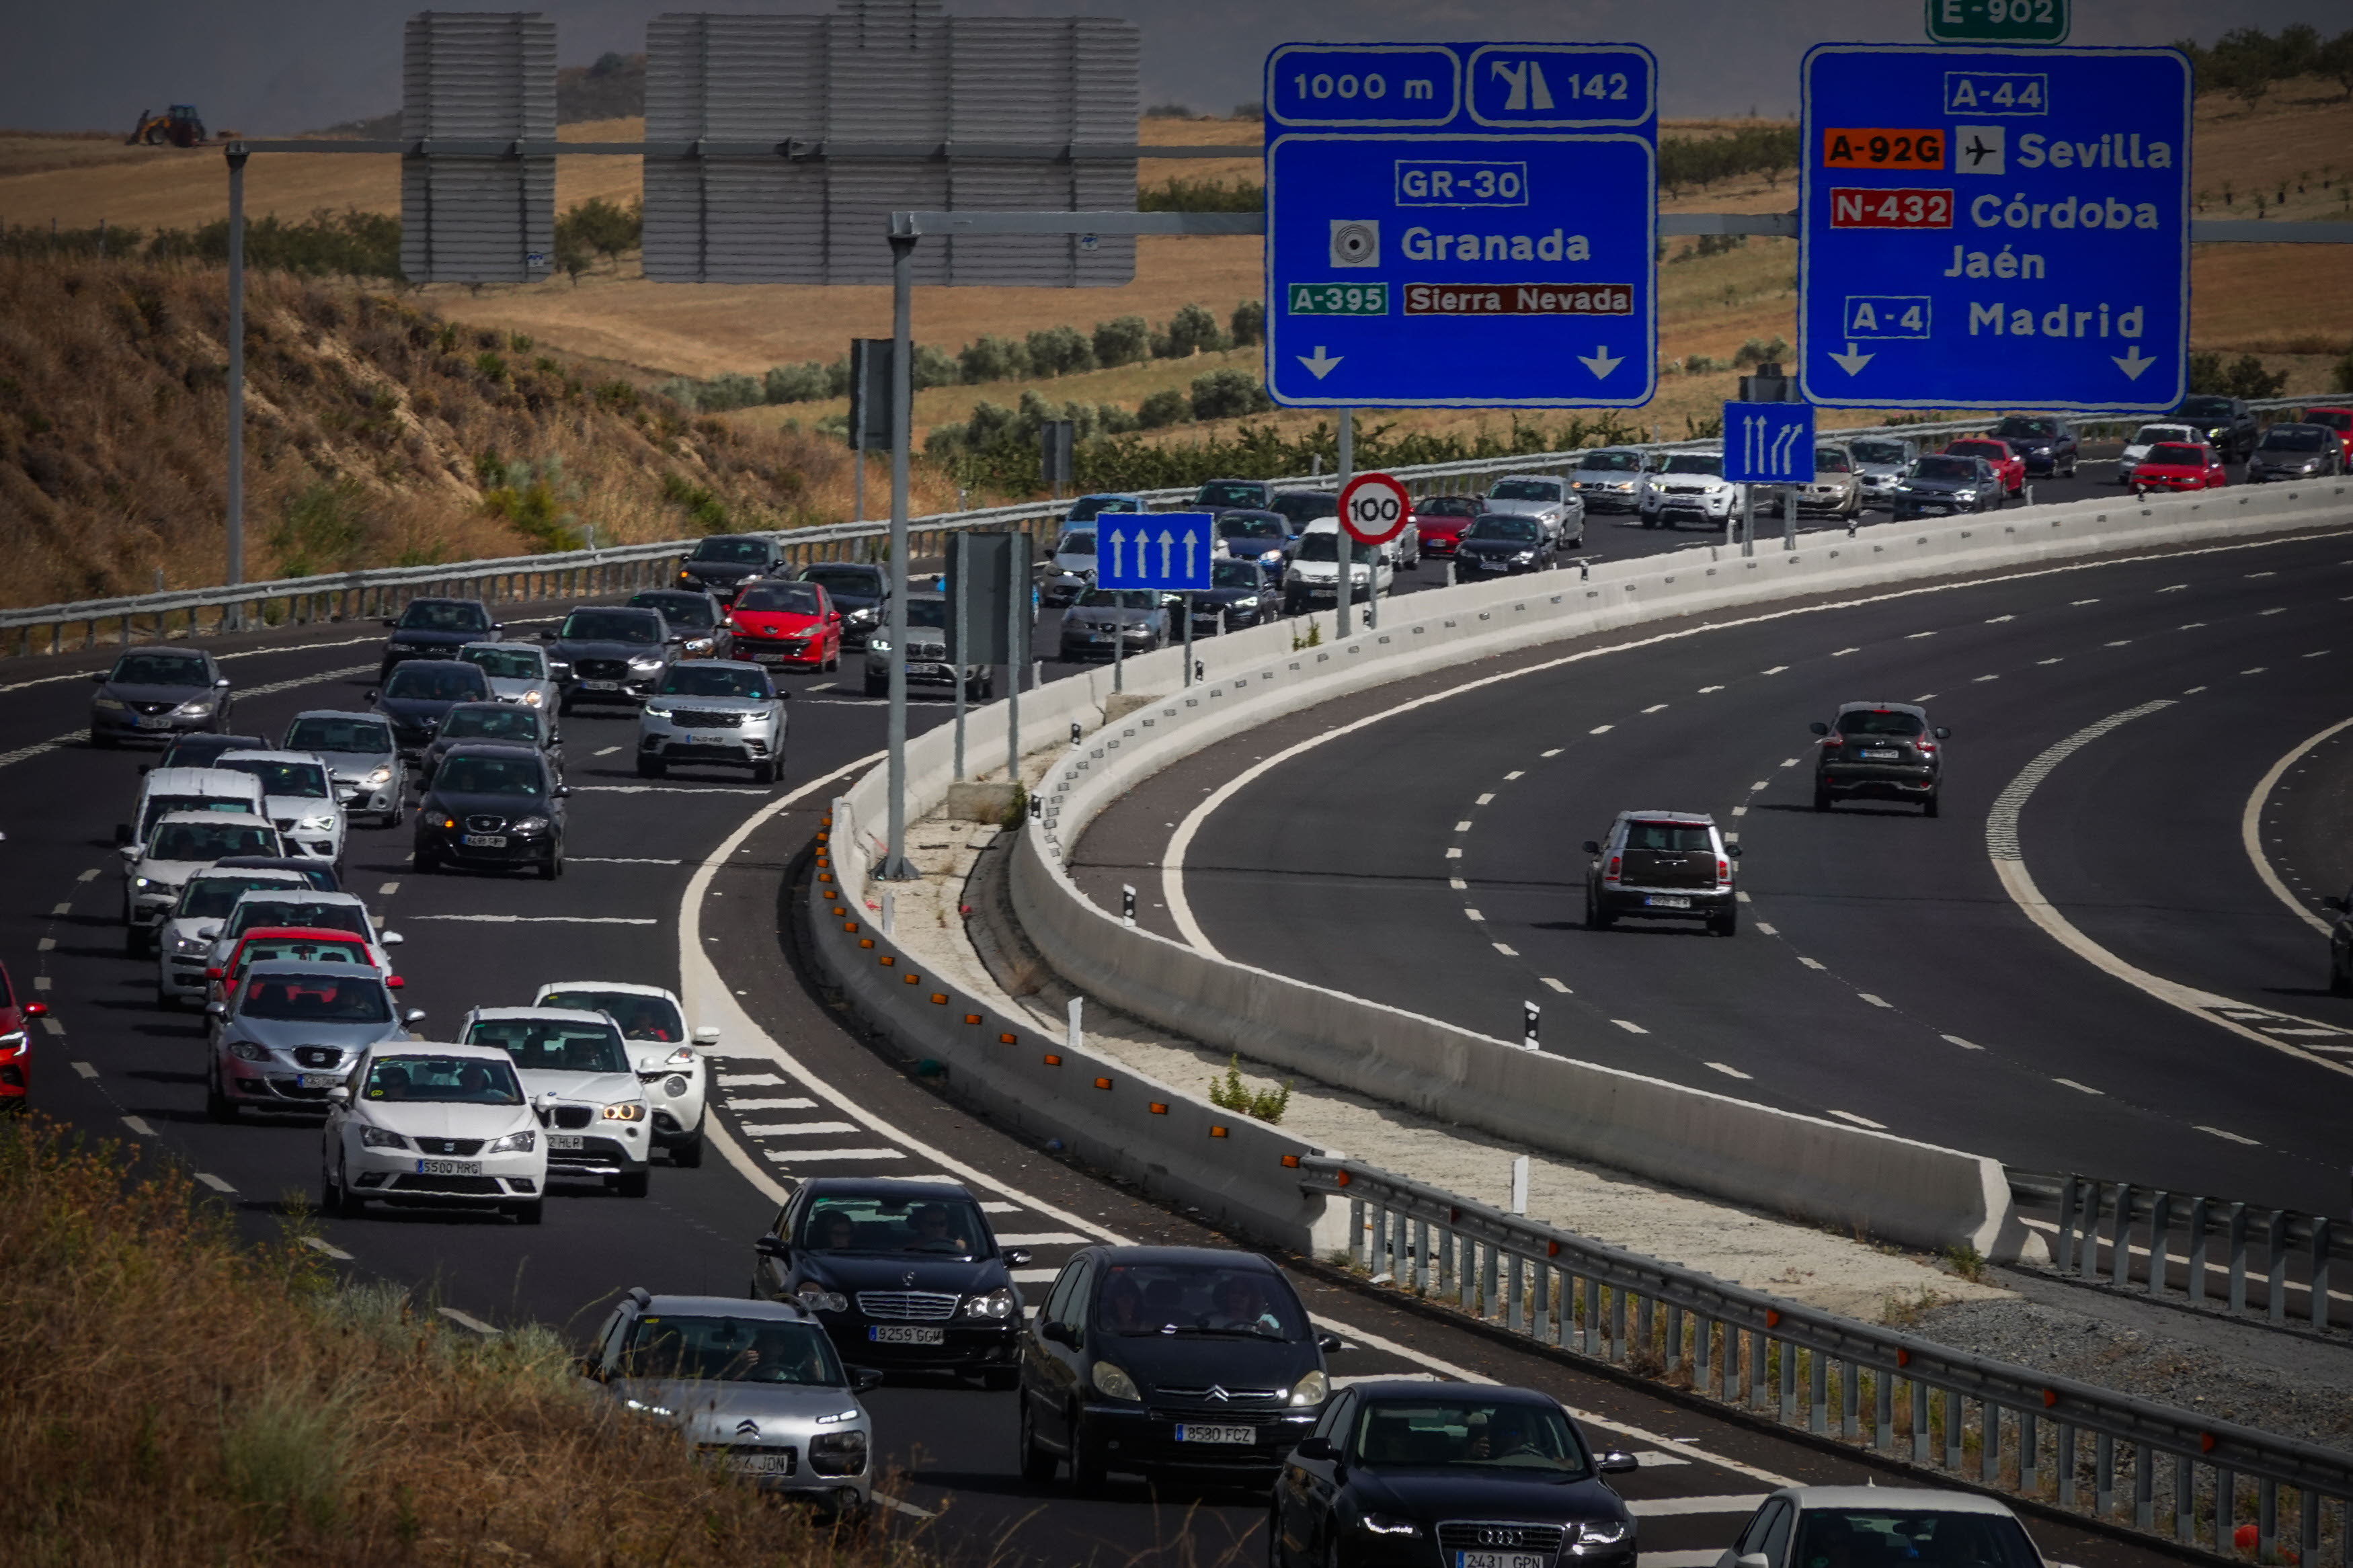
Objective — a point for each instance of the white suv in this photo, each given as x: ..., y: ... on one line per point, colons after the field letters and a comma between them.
x: 653, y: 1024
x: 1687, y: 487
x: 577, y: 1070
x: 1313, y: 575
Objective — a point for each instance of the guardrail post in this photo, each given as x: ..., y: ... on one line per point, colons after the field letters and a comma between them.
x: 2275, y: 1286
x: 2160, y: 1227
x: 1645, y: 1324
x: 1489, y: 1270
x: 1788, y: 1411
x: 2104, y: 1475
x: 2324, y: 1238
x: 2120, y: 1246
x: 1760, y: 1367
x: 1882, y: 1411
x: 1989, y: 1443
x: 1849, y: 1378
x: 2087, y: 1258
x: 2266, y: 1519
x: 2030, y: 1442
x: 2201, y: 1218
x: 1422, y: 1277
x: 1818, y: 1393
x: 1953, y: 1431
x: 1381, y: 1247
x: 1922, y: 1438
x: 1592, y: 1345
x: 1540, y: 1302
x: 2144, y: 1487
x: 2063, y: 1464
x: 2237, y: 1258
x: 2308, y: 1530
x: 1466, y: 1271
x: 1674, y: 1357
x: 1729, y: 1382
x: 1618, y: 1325
x: 1356, y: 1232
x: 2185, y: 1500
x: 2226, y: 1508
x: 1515, y: 1316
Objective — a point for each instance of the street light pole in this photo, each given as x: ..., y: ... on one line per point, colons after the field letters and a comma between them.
x: 233, y: 565
x: 902, y: 277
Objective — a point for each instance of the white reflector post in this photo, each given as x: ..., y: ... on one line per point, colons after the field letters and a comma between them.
x: 477, y: 84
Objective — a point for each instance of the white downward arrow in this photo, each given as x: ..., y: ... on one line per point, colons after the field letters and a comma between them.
x: 2133, y: 364
x: 1599, y: 362
x: 1850, y: 362
x: 1166, y: 539
x: 1322, y: 364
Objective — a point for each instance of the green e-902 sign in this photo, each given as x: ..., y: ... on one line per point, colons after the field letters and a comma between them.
x: 1997, y: 21
x: 1339, y: 299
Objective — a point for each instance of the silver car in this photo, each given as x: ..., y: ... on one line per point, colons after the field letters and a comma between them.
x: 518, y: 672
x: 752, y: 1386
x: 1609, y: 478
x: 575, y: 1068
x: 299, y: 797
x: 292, y: 1031
x: 371, y: 779
x: 183, y: 949
x: 713, y: 711
x: 181, y: 843
x: 1070, y: 570
x: 1556, y: 505
x: 1879, y: 464
x: 926, y: 653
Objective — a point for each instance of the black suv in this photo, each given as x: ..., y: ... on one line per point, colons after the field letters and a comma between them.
x: 723, y: 562
x: 435, y: 628
x: 1662, y: 865
x: 2049, y: 446
x: 1883, y: 749
x: 2228, y: 425
x: 610, y: 654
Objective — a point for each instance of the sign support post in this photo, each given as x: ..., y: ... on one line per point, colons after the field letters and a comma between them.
x: 959, y: 563
x: 1017, y: 650
x: 1345, y: 581
x: 1788, y: 517
x: 1189, y: 636
x: 895, y: 867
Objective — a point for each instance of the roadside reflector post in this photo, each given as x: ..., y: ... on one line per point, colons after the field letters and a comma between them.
x: 1531, y: 1015
x: 890, y: 913
x: 1074, y: 1035
x: 1127, y: 906
x: 1520, y: 1185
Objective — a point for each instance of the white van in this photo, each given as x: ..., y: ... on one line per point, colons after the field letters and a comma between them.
x: 1313, y: 578
x: 190, y: 789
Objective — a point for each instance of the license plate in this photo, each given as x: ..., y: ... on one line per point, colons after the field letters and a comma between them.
x: 318, y: 1079
x: 1217, y: 1434
x: 564, y: 1141
x: 777, y: 1464
x: 1659, y: 901
x: 926, y: 669
x: 1493, y: 565
x: 448, y: 1167
x: 1878, y: 756
x: 154, y: 721
x: 1499, y: 1560
x: 600, y: 685
x: 904, y: 1334
x: 486, y: 840
x: 766, y: 656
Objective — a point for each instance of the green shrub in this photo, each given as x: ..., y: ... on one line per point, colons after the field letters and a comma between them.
x: 1191, y: 331
x: 1124, y: 339
x: 1227, y: 394
x: 1232, y: 1094
x: 1060, y: 351
x: 1163, y: 409
x: 1248, y: 323
x: 992, y: 358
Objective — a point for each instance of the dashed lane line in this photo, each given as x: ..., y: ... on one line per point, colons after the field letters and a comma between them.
x: 1860, y: 1120
x: 215, y: 1183
x: 2250, y: 820
x: 1728, y: 1071
x: 328, y: 1248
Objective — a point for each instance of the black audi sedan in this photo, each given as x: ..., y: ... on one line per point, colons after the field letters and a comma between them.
x: 1473, y: 1477
x: 435, y: 628
x: 1503, y: 542
x: 613, y: 655
x: 905, y: 1276
x: 1940, y: 484
x: 493, y: 806
x: 421, y: 693
x: 1241, y: 593
x: 1168, y: 1359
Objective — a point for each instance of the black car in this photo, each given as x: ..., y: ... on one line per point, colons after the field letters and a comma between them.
x: 1216, y: 495
x: 1940, y: 485
x: 1887, y: 750
x: 493, y: 805
x: 435, y: 628
x: 695, y: 615
x: 2295, y: 452
x: 857, y: 590
x: 420, y: 692
x: 505, y: 723
x: 905, y: 1276
x: 2227, y: 423
x: 157, y: 693
x: 723, y: 562
x: 616, y: 655
x: 1500, y: 543
x: 1168, y: 1358
x: 320, y: 874
x: 2049, y: 446
x: 2340, y: 945
x: 198, y: 750
x: 1265, y: 537
x: 1300, y: 508
x: 1418, y: 1473
x: 1241, y: 593
x: 1665, y: 866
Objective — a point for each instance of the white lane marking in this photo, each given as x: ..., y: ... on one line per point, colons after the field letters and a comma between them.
x: 1760, y: 784
x: 797, y: 1129
x: 1859, y: 1121
x: 1548, y: 980
x: 40, y: 983
x: 667, y: 789
x: 1631, y: 1026
x: 387, y: 889
x: 2079, y: 604
x: 606, y: 752
x: 2252, y: 575
x: 792, y: 1102
x: 2234, y: 1137
x: 1461, y: 827
x: 85, y: 1069
x: 320, y: 1244
x: 1775, y: 670
x: 1453, y: 853
x: 1516, y: 773
x: 1793, y: 761
x: 1844, y: 651
x: 1506, y: 952
x: 2317, y: 653
x: 824, y: 686
x: 1482, y: 801
x: 52, y: 1026
x: 1458, y: 884
x: 994, y: 1206
x: 1601, y: 729
x: 1874, y: 1001
x: 1983, y: 678
x: 1916, y: 636
x: 1044, y: 1238
x: 298, y: 647
x: 2189, y: 626
x: 2282, y: 610
x: 1768, y: 929
x: 139, y: 1125
x: 795, y: 1156
x: 1998, y: 620
x: 1730, y: 1071
x: 1656, y: 708
x: 1739, y: 811
x: 2078, y: 1088
x: 916, y: 1511
x: 1674, y: 1506
x: 2258, y: 670
x: 89, y: 875
x: 1554, y: 753
x: 61, y: 909
x: 2120, y: 642
x: 1810, y: 962
x: 1924, y: 697
x: 215, y: 1183
x: 45, y: 944
x: 1473, y: 914
x: 749, y: 1080
x: 619, y: 860
x: 2251, y: 818
x: 2193, y: 690
x: 2040, y: 662
x: 1957, y: 1040
x: 543, y: 920
x: 468, y: 1321
x: 1705, y: 689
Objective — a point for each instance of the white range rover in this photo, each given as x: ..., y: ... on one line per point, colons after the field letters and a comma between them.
x: 1688, y: 487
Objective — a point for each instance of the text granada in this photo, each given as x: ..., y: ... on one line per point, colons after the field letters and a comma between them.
x: 1519, y: 299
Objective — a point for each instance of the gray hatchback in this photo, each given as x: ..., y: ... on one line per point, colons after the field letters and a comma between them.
x: 1883, y: 749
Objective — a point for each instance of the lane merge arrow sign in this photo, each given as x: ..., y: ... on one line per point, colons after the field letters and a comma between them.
x: 1374, y: 508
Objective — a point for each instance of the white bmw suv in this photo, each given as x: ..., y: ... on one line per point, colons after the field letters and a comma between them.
x: 672, y: 1071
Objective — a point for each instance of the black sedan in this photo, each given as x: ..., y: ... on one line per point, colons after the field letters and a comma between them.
x: 1940, y: 485
x: 435, y: 628
x: 492, y: 806
x: 1501, y: 544
x: 2049, y: 446
x: 508, y: 723
x: 1241, y: 593
x: 420, y: 692
x: 156, y: 693
x: 611, y: 655
x: 2295, y: 452
x: 696, y: 615
x: 857, y: 590
x: 723, y: 562
x: 1401, y: 1472
x: 905, y: 1276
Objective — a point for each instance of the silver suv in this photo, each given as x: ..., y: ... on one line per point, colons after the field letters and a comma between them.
x: 1663, y: 865
x: 926, y: 652
x: 713, y: 711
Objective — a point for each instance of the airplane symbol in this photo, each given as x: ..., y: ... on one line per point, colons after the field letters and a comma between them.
x: 1979, y: 151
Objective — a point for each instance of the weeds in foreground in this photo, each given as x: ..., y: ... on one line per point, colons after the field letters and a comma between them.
x: 1231, y: 1093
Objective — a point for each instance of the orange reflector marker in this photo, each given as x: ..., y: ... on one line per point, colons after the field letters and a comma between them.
x: 2205, y: 1442
x: 1903, y: 1358
x: 1158, y: 1108
x: 1102, y: 1083
x: 866, y: 941
x: 1339, y: 1180
x: 886, y: 960
x: 2050, y: 1397
x: 1001, y: 1039
x: 825, y: 876
x: 915, y: 979
x: 820, y: 837
x: 1552, y: 1249
x: 849, y: 925
x: 1217, y: 1132
x: 972, y: 1018
x: 1053, y: 1061
x: 1772, y: 1318
x: 1290, y: 1162
x: 939, y: 997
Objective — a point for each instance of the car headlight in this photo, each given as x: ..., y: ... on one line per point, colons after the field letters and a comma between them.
x: 675, y: 1085
x: 1311, y: 1390
x: 681, y: 1058
x: 531, y: 824
x: 997, y: 1304
x: 816, y: 1298
x: 1271, y: 557
x: 16, y: 1043
x: 195, y: 707
x: 699, y: 644
x: 865, y: 614
x: 1603, y: 1532
x: 382, y: 1138
x: 534, y: 697
x: 1523, y: 555
x: 1248, y: 604
x: 878, y: 645
x: 1387, y: 1524
x: 838, y: 1416
x: 190, y: 944
x: 656, y: 711
x: 522, y: 1142
x: 142, y: 882
x: 625, y: 1110
x: 378, y: 778
x: 247, y: 1051
x: 110, y: 704
x: 642, y: 1408
x: 1113, y: 1382
x: 838, y: 1453
x: 317, y: 822
x: 645, y: 664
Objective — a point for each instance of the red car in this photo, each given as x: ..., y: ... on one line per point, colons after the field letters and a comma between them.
x: 313, y: 945
x: 2338, y: 419
x: 2009, y: 467
x: 16, y: 1045
x: 1441, y: 520
x: 791, y: 625
x: 2179, y: 466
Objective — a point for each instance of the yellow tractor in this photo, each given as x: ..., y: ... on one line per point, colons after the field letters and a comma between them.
x: 177, y: 126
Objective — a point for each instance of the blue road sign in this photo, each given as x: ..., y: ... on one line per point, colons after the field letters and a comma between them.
x: 1166, y: 550
x: 1461, y: 223
x: 1994, y: 228
x: 1768, y: 443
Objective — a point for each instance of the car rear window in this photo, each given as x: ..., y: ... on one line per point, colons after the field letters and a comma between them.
x: 864, y: 582
x: 427, y: 616
x: 1082, y: 542
x: 679, y: 609
x: 1831, y: 460
x: 209, y: 898
x: 1200, y: 1299
x: 1879, y: 722
x: 365, y: 737
x: 1447, y: 506
x: 503, y: 721
x: 1234, y: 574
x: 1944, y: 468
x: 1242, y: 525
x: 2175, y: 452
x: 1882, y: 1537
x: 1878, y: 451
x: 299, y: 912
x: 2295, y: 439
x: 1087, y: 507
x: 461, y: 1080
x: 1675, y: 838
x: 1231, y: 493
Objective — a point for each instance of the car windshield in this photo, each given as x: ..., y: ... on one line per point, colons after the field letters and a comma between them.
x: 1447, y: 506
x: 1879, y: 722
x: 508, y: 663
x: 1992, y: 451
x: 2297, y: 439
x: 710, y: 680
x: 1442, y: 1432
x: 316, y: 998
x: 1234, y: 574
x: 2176, y: 452
x: 210, y: 897
x: 1326, y: 547
x: 1080, y: 544
x: 780, y: 598
x: 2018, y: 425
x: 302, y: 949
x: 926, y: 612
x: 1495, y: 527
x: 1118, y: 598
x: 307, y: 780
x: 731, y: 1349
x: 945, y: 1227
x: 1229, y: 492
x: 1610, y: 463
x: 255, y: 913
x: 440, y: 615
x: 1198, y: 1298
x: 2205, y: 409
x: 612, y: 625
x: 745, y: 552
x: 1525, y: 489
x: 692, y: 611
x: 1694, y: 463
x: 2150, y: 435
x: 517, y: 777
x: 1087, y: 507
x: 491, y: 721
x: 554, y: 1045
x: 459, y: 1080
x: 1831, y: 460
x: 864, y: 582
x: 1883, y: 1537
x: 159, y: 669
x: 366, y: 737
x: 161, y: 805
x: 430, y: 680
x: 1243, y: 525
x: 1674, y: 837
x: 1877, y: 451
x: 641, y: 1017
x: 210, y: 841
x: 1944, y: 468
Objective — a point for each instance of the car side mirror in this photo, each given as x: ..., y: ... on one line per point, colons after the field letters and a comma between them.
x: 1328, y: 1343
x: 1616, y: 1462
x: 142, y: 769
x: 222, y: 684
x: 389, y: 939
x: 340, y: 1095
x: 562, y: 790
x: 1818, y: 728
x: 498, y: 625
x: 209, y: 930
x: 389, y: 621
x: 129, y: 852
x: 123, y: 833
x: 1316, y: 1448
x: 1592, y: 846
x: 216, y: 1009
x: 1752, y: 1560
x: 369, y: 697
x: 1732, y: 850
x: 1943, y: 734
x: 589, y: 1367
x: 771, y: 1247
x: 707, y: 1036
x: 98, y: 676
x: 1055, y: 1331
x: 863, y: 1379
x: 1017, y: 1257
x: 414, y: 1015
x: 37, y: 1009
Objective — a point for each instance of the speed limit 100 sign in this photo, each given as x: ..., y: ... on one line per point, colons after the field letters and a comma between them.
x: 1373, y: 508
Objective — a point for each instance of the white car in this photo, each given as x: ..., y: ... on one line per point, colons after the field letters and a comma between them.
x: 1690, y: 486
x: 297, y: 796
x: 576, y: 1067
x: 181, y: 843
x: 1553, y: 503
x: 305, y: 908
x: 183, y: 950
x: 189, y: 789
x: 1313, y: 578
x: 434, y: 1125
x: 2148, y: 436
x: 1797, y: 1526
x: 654, y: 1025
x: 517, y: 672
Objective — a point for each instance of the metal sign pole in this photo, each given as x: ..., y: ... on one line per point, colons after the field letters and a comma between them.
x: 235, y: 561
x: 1788, y: 517
x: 1748, y: 519
x: 959, y: 565
x: 1017, y: 649
x: 902, y: 277
x: 1188, y: 638
x: 1119, y: 651
x: 1344, y: 546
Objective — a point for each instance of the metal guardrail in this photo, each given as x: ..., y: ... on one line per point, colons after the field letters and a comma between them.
x: 382, y: 591
x: 1898, y: 1396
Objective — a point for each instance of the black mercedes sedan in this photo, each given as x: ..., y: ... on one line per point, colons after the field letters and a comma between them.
x: 493, y: 806
x: 435, y: 628
x: 1940, y: 484
x: 1502, y: 543
x: 905, y: 1276
x: 1241, y: 593
x: 612, y: 655
x: 723, y: 562
x: 421, y: 692
x: 1471, y: 1477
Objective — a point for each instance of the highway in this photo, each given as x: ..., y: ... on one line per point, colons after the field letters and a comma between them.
x: 118, y: 1066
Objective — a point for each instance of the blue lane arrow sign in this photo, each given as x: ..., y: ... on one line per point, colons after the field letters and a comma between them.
x: 1169, y: 551
x: 1768, y: 443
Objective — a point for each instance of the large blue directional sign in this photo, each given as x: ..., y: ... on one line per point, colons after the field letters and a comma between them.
x: 1768, y: 443
x: 1994, y: 228
x: 1461, y: 223
x: 1169, y: 551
